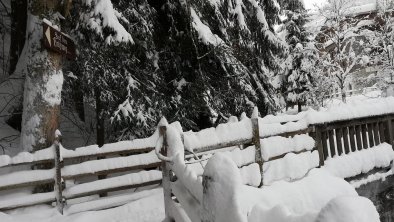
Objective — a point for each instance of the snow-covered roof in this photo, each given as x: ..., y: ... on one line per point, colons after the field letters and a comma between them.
x: 364, y: 8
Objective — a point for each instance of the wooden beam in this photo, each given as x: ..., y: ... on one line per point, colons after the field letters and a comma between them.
x: 165, y: 167
x: 58, y: 177
x: 257, y: 145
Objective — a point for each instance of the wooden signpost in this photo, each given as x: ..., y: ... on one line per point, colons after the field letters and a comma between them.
x: 58, y: 42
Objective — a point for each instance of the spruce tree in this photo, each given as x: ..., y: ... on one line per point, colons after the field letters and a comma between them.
x: 301, y: 60
x: 218, y: 57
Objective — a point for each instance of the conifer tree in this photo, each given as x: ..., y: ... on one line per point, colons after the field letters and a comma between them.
x: 302, y: 57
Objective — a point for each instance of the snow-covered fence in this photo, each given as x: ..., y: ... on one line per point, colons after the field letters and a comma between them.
x: 135, y: 159
x: 246, y: 142
x: 264, y: 151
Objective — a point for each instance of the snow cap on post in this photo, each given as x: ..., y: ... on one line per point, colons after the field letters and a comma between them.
x: 58, y: 133
x: 243, y: 116
x: 232, y: 119
x: 255, y: 113
x: 163, y: 122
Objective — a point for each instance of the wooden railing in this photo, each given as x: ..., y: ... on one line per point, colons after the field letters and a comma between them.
x: 345, y: 136
x: 137, y: 159
x: 331, y: 139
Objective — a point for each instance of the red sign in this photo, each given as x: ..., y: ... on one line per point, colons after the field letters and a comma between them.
x: 59, y: 42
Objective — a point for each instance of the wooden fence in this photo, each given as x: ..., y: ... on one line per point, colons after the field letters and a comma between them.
x: 138, y: 159
x: 184, y: 194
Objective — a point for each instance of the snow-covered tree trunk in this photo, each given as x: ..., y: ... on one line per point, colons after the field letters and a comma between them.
x: 43, y: 83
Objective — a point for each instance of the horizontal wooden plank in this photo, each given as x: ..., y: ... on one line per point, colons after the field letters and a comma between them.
x: 110, y: 153
x: 27, y: 184
x: 111, y: 171
x: 223, y: 145
x: 295, y: 152
x: 27, y: 200
x: 110, y: 189
x: 291, y: 133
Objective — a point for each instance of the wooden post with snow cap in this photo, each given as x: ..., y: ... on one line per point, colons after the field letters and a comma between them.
x: 58, y: 176
x: 256, y: 141
x: 165, y: 170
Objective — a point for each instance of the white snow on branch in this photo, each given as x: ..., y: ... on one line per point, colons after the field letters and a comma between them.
x: 204, y: 32
x: 105, y: 15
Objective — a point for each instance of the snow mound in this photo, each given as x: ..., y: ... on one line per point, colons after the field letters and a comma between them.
x: 301, y: 200
x: 349, y: 209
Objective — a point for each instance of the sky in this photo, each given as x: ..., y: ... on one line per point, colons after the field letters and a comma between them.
x: 310, y: 4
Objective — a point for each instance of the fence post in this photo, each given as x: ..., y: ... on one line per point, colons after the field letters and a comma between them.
x: 166, y: 175
x: 319, y: 144
x: 257, y: 145
x: 58, y: 176
x: 390, y: 132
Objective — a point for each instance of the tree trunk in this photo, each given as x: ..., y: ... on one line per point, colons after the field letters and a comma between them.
x: 43, y: 83
x: 343, y: 94
x: 299, y: 106
x: 18, y: 31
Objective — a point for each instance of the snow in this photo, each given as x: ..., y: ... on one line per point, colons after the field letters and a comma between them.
x: 27, y: 199
x: 19, y: 177
x: 357, y: 108
x: 53, y: 86
x: 291, y: 167
x: 240, y: 16
x: 112, y: 201
x: 361, y: 9
x: 23, y: 157
x: 251, y: 175
x: 300, y: 201
x: 112, y: 147
x: 362, y: 161
x: 349, y: 209
x: 371, y: 178
x: 145, y: 206
x: 277, y: 145
x: 188, y: 177
x: 222, y: 133
x: 204, y: 32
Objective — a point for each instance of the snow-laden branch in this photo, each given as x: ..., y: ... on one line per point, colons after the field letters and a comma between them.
x: 104, y: 15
